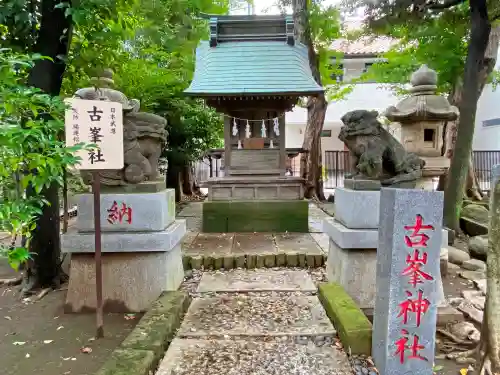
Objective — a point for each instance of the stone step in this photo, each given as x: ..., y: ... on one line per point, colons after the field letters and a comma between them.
x: 245, y: 315
x: 256, y: 280
x: 278, y: 357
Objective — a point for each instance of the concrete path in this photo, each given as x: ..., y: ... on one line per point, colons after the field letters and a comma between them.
x: 253, y: 322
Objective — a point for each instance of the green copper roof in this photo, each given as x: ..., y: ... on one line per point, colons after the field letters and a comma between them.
x: 252, y: 68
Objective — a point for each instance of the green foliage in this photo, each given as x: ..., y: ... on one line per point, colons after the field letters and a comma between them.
x: 152, y: 56
x: 439, y: 41
x: 31, y: 152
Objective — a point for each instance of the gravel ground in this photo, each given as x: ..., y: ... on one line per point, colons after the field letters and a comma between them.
x: 256, y: 357
x: 245, y: 314
x: 284, y: 349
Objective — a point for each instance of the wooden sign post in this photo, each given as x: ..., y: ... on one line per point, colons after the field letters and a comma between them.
x: 99, y: 123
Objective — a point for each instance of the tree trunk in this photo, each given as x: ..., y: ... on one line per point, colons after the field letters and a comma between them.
x: 480, y: 32
x: 44, y: 270
x: 472, y: 188
x: 174, y: 178
x: 189, y: 184
x: 310, y: 161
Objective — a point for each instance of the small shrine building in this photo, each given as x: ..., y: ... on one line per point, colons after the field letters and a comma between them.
x: 252, y: 70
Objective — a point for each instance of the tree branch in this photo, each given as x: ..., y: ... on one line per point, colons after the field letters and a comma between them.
x: 440, y: 6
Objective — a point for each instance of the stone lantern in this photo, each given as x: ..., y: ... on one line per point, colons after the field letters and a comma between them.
x: 422, y: 117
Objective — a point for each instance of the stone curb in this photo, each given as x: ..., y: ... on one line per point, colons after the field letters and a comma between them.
x: 145, y: 346
x: 353, y: 327
x: 228, y: 262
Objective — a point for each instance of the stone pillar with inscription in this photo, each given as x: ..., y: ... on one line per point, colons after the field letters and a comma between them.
x: 141, y: 239
x: 408, y: 278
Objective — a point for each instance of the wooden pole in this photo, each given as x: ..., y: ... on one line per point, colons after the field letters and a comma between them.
x: 96, y: 189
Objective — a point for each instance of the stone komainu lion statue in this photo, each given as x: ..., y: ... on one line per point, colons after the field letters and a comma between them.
x: 375, y: 153
x: 143, y: 137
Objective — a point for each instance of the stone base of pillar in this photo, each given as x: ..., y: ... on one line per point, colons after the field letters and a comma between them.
x: 131, y: 280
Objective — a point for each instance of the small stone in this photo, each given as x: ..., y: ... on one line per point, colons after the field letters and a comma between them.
x: 260, y: 260
x: 302, y: 260
x: 373, y: 373
x: 292, y: 260
x: 478, y: 246
x: 474, y: 265
x: 188, y: 274
x: 457, y: 256
x: 318, y: 260
x: 281, y: 260
x: 218, y: 263
x: 228, y: 262
x: 453, y: 267
x: 186, y: 262
x: 251, y: 261
x: 196, y: 262
x: 481, y: 285
x: 364, y: 370
x: 240, y: 261
x: 208, y: 262
x: 270, y: 260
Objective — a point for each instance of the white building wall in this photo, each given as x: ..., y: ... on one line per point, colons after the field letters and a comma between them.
x: 375, y: 97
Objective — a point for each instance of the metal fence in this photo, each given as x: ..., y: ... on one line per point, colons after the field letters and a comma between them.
x: 336, y: 165
x: 483, y: 164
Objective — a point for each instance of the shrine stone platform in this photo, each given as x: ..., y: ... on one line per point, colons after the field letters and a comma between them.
x: 255, y: 188
x: 256, y: 216
x: 141, y: 250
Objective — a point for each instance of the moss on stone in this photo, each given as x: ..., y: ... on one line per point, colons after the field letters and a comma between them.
x: 215, y: 217
x: 255, y: 216
x: 354, y: 328
x: 158, y: 326
x: 129, y: 361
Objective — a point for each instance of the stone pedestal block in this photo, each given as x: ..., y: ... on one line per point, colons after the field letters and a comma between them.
x: 75, y: 242
x: 357, y: 209
x: 131, y: 281
x: 348, y: 238
x: 128, y: 212
x: 355, y: 271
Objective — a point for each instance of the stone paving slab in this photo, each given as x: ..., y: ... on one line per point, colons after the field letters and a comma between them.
x: 192, y: 209
x: 253, y: 243
x: 256, y: 280
x: 244, y: 315
x: 298, y: 242
x: 216, y: 357
x: 211, y: 243
x: 315, y: 225
x: 322, y: 240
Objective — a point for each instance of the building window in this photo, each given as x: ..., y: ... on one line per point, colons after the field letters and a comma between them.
x: 367, y: 66
x: 491, y: 122
x: 326, y: 133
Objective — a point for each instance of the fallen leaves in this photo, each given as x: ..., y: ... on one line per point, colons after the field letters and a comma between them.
x: 86, y: 350
x: 129, y: 316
